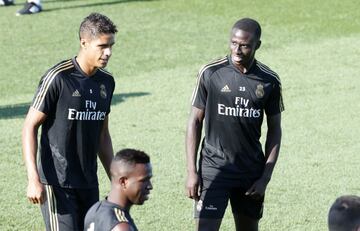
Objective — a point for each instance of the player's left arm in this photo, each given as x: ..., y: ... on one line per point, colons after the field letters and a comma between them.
x: 123, y: 226
x: 272, y: 148
x: 272, y: 145
x: 106, y: 152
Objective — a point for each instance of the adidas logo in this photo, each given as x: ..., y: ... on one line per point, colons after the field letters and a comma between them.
x: 76, y: 93
x: 225, y: 89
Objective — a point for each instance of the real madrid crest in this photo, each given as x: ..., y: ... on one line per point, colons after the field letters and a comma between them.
x: 259, y: 92
x: 103, y: 93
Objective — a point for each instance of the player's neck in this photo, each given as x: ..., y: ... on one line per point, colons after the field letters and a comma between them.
x: 85, y: 67
x: 243, y: 68
x: 116, y: 198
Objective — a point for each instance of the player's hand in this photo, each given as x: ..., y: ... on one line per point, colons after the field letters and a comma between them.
x: 192, y: 186
x: 257, y: 190
x: 35, y: 192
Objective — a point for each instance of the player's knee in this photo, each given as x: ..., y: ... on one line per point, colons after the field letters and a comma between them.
x: 208, y: 224
x: 245, y: 223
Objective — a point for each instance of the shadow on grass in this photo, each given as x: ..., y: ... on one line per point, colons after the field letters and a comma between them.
x: 92, y: 4
x: 20, y: 110
x: 14, y: 110
x: 119, y: 98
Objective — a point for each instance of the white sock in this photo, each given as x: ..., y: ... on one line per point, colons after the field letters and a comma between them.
x: 37, y: 2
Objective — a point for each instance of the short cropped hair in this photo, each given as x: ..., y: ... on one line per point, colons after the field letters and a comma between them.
x: 96, y: 24
x: 249, y: 25
x: 132, y: 156
x: 344, y: 214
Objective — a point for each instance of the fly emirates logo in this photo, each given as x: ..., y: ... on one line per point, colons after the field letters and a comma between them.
x: 89, y: 114
x: 240, y: 110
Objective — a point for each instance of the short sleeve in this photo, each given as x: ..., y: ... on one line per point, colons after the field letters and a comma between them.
x: 47, y: 94
x: 275, y: 103
x: 200, y: 93
x: 111, y: 96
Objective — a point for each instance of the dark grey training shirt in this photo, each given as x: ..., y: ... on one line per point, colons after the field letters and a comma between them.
x: 76, y: 106
x: 104, y: 216
x: 234, y: 105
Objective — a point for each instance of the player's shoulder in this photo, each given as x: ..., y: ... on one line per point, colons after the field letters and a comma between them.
x: 100, y: 210
x: 213, y: 65
x: 105, y: 76
x: 267, y: 72
x: 120, y: 215
x: 59, y: 68
x: 91, y: 214
x: 106, y: 73
x: 94, y: 209
x: 56, y: 72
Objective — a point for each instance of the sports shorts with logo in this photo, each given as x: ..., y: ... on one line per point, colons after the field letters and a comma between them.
x: 214, y: 198
x: 65, y: 208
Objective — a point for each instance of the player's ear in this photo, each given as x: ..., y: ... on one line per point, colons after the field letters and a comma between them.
x: 83, y: 43
x: 258, y: 44
x: 123, y: 182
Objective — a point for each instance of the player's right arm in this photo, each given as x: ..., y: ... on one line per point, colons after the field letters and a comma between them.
x: 35, y: 189
x: 192, y: 141
x: 193, y: 134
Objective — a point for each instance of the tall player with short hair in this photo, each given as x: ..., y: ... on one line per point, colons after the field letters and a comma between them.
x: 131, y: 173
x: 71, y: 105
x: 231, y: 97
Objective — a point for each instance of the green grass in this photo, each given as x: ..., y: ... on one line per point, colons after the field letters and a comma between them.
x: 313, y: 45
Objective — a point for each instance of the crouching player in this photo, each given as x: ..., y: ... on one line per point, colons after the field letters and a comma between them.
x: 130, y: 184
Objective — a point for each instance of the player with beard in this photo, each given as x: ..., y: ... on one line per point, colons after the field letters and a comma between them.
x: 231, y: 97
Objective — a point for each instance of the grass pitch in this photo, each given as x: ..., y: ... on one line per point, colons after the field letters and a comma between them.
x: 312, y: 45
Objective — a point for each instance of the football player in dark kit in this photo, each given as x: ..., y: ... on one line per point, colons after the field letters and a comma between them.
x: 71, y: 105
x: 231, y: 97
x: 131, y: 173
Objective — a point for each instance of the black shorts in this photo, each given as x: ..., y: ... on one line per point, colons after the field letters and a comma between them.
x: 214, y: 198
x: 65, y: 208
